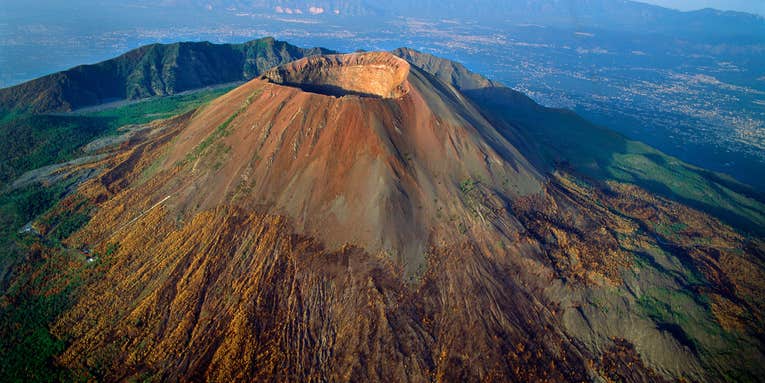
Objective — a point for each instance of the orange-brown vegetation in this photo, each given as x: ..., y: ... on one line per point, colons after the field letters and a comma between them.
x: 278, y: 234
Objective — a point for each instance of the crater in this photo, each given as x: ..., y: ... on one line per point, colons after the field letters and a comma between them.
x: 376, y: 75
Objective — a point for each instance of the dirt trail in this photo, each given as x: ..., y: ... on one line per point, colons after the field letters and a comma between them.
x: 142, y: 214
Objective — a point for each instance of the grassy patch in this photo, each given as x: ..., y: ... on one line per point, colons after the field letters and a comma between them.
x: 155, y: 108
x: 151, y: 170
x: 687, y: 318
x: 220, y: 131
x: 669, y: 230
x: 40, y: 140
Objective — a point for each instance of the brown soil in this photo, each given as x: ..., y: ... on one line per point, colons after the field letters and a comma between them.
x: 278, y: 234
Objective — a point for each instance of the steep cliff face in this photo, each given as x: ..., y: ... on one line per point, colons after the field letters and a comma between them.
x: 355, y: 218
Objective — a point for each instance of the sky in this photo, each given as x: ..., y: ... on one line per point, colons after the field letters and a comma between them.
x: 751, y: 6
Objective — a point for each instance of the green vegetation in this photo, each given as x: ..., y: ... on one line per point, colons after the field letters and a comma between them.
x: 688, y: 318
x: 664, y: 306
x: 156, y: 108
x: 560, y: 138
x: 16, y: 209
x: 715, y: 193
x: 42, y: 285
x: 41, y: 140
x: 219, y: 132
x: 467, y: 185
x: 669, y: 230
x: 27, y: 346
x: 151, y: 70
x: 68, y: 223
x: 38, y: 285
x: 151, y: 170
x: 39, y: 290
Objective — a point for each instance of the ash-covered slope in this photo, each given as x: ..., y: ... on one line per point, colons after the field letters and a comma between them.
x: 355, y: 218
x: 374, y: 169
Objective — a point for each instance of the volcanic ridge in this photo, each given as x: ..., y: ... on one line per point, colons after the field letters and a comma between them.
x: 380, y: 75
x: 357, y: 217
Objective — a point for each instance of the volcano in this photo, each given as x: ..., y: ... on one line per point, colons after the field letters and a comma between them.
x: 365, y: 217
x: 362, y: 149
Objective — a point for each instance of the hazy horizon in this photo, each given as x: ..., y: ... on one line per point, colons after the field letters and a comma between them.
x: 756, y: 7
x: 725, y: 5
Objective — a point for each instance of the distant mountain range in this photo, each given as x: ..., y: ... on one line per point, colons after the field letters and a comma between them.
x: 151, y: 70
x: 610, y: 14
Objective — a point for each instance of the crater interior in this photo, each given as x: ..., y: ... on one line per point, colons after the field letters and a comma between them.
x: 377, y: 75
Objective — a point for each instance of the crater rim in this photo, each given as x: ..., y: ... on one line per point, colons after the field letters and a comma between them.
x: 379, y: 75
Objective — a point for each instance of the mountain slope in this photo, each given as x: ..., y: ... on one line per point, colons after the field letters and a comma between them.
x: 355, y: 218
x: 151, y: 70
x: 338, y: 165
x: 556, y: 137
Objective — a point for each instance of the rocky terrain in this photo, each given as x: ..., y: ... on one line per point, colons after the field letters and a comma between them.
x: 367, y: 217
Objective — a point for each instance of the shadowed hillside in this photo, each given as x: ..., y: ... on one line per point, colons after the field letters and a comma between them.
x: 558, y: 137
x: 151, y: 70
